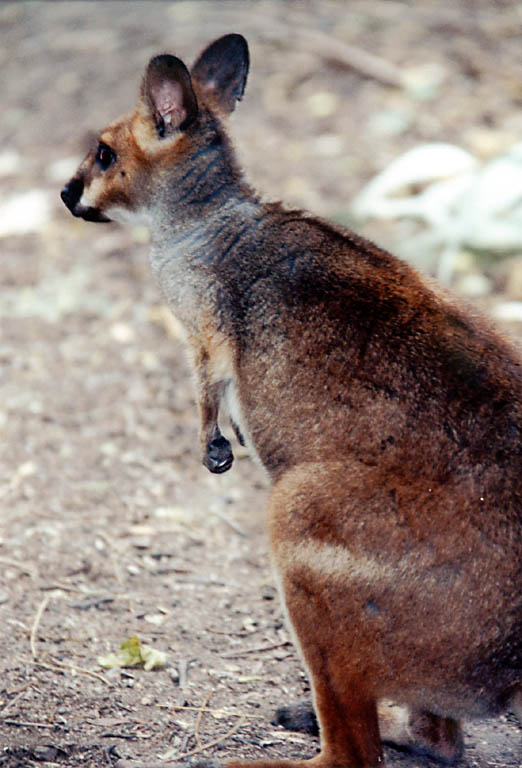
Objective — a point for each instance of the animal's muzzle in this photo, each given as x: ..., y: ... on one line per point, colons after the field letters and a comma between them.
x: 72, y: 193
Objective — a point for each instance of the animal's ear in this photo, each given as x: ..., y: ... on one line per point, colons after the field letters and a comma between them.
x: 167, y: 91
x: 221, y: 71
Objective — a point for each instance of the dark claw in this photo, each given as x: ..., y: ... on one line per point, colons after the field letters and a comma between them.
x: 219, y: 456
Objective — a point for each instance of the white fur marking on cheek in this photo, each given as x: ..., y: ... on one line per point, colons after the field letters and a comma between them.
x: 126, y: 216
x: 85, y: 200
x: 90, y: 194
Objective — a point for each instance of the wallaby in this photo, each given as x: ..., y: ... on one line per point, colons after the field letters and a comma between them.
x: 388, y: 418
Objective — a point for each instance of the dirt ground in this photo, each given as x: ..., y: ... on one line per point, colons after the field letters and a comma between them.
x: 110, y: 526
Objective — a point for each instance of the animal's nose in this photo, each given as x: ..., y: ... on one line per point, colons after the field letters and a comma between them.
x: 71, y: 193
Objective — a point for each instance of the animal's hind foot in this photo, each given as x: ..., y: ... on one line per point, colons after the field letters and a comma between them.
x: 437, y: 737
x: 422, y: 733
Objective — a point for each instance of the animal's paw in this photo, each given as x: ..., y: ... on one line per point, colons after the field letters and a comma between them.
x: 219, y: 456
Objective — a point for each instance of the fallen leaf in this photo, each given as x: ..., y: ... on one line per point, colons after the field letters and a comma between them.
x: 134, y: 654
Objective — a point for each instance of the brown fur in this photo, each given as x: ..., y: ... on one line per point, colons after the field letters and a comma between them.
x: 388, y: 418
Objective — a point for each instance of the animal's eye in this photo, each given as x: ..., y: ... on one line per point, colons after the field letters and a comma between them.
x: 105, y: 156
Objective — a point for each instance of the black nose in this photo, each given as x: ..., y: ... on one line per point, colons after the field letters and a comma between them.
x: 71, y: 193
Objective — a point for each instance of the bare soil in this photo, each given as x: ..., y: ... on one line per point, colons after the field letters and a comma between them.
x: 110, y: 526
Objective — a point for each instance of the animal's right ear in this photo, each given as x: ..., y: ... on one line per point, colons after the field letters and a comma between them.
x: 221, y: 71
x: 167, y: 91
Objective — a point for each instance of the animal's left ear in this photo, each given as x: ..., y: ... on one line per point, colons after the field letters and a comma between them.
x: 167, y: 91
x: 221, y: 71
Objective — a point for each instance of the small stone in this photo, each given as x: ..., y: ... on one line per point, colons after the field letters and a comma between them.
x: 250, y: 624
x: 122, y: 332
x: 323, y: 103
x: 154, y: 618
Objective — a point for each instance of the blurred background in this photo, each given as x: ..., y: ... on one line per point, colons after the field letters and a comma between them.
x: 338, y: 92
x: 400, y: 118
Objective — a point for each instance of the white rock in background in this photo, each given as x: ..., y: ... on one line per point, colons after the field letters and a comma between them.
x: 461, y: 203
x: 509, y: 311
x: 490, y: 215
x: 420, y: 166
x: 24, y: 213
x: 10, y: 163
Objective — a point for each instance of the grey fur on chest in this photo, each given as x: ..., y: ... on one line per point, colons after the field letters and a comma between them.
x: 185, y: 257
x: 181, y: 282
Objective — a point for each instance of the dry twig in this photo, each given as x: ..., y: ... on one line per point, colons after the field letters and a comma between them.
x: 24, y: 724
x: 58, y: 665
x: 34, y: 629
x: 200, y: 716
x: 257, y: 649
x: 209, y: 744
x: 347, y: 55
x: 18, y: 695
x: 231, y: 524
x: 64, y: 588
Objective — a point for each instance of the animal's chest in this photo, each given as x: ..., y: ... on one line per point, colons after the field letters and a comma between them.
x: 184, y: 285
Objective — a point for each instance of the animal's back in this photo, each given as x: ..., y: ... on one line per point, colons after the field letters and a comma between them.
x: 323, y: 316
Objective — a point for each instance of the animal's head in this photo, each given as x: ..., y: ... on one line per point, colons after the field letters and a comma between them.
x: 174, y: 126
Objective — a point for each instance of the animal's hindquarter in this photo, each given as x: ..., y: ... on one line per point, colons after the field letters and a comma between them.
x: 407, y: 589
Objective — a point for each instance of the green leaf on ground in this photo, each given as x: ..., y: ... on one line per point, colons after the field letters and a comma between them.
x: 134, y: 654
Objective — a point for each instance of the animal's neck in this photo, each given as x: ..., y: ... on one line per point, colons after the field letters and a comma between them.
x: 188, y: 248
x: 186, y: 240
